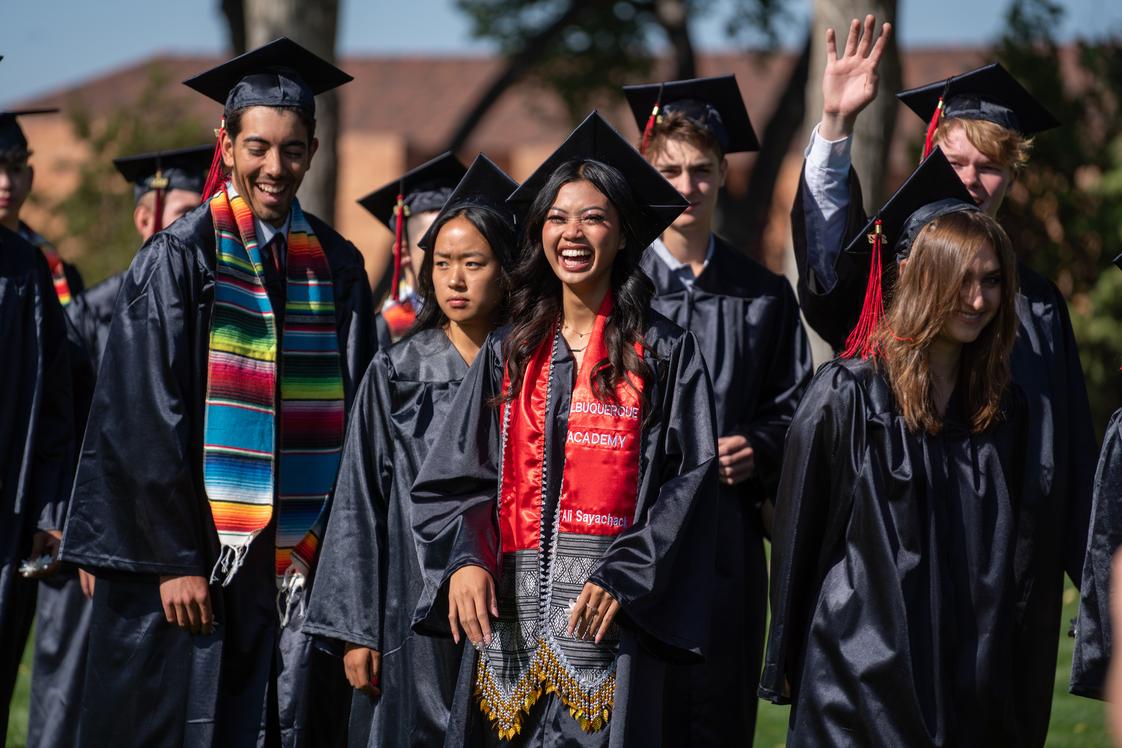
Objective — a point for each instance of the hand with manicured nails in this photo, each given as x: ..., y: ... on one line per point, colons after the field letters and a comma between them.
x: 736, y: 459
x: 592, y: 613
x: 471, y: 604
x: 186, y: 601
x: 849, y: 82
x: 86, y: 581
x: 364, y: 668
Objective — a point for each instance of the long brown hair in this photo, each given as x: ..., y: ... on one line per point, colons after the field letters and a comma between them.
x: 927, y: 293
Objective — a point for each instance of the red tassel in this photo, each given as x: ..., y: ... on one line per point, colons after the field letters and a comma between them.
x: 862, y: 341
x: 398, y: 246
x: 158, y: 218
x: 929, y: 140
x: 216, y: 177
x: 647, y: 130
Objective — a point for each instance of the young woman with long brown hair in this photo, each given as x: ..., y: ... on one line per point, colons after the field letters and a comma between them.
x: 566, y: 514
x: 894, y: 578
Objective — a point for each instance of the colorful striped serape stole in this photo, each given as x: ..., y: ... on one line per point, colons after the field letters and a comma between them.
x: 240, y: 469
x: 54, y: 262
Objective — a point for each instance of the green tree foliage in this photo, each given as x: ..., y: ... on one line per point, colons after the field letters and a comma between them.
x: 98, y: 212
x: 1064, y: 213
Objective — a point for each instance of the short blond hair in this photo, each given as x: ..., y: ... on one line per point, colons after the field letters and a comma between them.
x: 1005, y: 147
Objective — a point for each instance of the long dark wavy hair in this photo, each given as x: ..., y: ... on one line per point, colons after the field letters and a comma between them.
x: 535, y: 299
x: 498, y: 230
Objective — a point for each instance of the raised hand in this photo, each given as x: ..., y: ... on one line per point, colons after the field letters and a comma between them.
x: 849, y: 82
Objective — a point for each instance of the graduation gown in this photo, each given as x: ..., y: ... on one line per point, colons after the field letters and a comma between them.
x: 369, y: 579
x: 62, y: 612
x: 895, y: 606
x: 661, y: 566
x: 746, y: 321
x: 1046, y: 367
x: 1093, y: 630
x: 140, y: 511
x: 36, y: 436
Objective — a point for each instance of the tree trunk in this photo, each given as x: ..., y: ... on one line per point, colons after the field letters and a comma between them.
x: 312, y: 25
x: 673, y: 17
x: 875, y: 126
x: 234, y: 10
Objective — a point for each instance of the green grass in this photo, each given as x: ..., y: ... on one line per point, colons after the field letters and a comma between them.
x: 1076, y: 722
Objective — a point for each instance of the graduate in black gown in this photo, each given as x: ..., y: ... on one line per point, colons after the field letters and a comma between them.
x: 984, y: 128
x: 746, y: 321
x: 238, y: 340
x: 167, y: 185
x: 896, y: 583
x: 408, y: 206
x: 568, y: 531
x: 36, y: 439
x: 19, y: 175
x: 370, y: 579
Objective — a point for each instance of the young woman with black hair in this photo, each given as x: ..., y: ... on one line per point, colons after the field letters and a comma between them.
x: 566, y: 514
x: 368, y: 580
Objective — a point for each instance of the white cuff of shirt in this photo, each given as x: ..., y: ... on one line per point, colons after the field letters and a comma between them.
x: 828, y: 155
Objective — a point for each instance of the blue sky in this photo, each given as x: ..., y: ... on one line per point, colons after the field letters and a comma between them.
x: 49, y: 44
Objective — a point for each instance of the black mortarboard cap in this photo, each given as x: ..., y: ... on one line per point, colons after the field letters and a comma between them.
x: 932, y: 190
x: 484, y: 184
x: 596, y: 140
x: 180, y: 169
x: 278, y: 74
x: 425, y: 188
x: 715, y: 103
x: 988, y: 93
x: 11, y: 134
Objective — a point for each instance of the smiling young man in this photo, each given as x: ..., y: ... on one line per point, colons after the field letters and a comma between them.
x: 239, y: 336
x: 746, y: 321
x: 982, y: 121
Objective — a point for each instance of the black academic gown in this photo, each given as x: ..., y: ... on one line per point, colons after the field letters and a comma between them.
x: 894, y: 602
x: 369, y: 577
x: 1046, y: 367
x: 36, y: 436
x: 140, y: 511
x: 1093, y: 629
x: 62, y: 612
x: 661, y: 567
x: 746, y: 322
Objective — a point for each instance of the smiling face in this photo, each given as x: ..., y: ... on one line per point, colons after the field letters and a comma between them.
x: 268, y: 159
x: 698, y: 173
x: 986, y: 180
x: 16, y: 176
x: 581, y: 236
x: 979, y: 298
x: 466, y: 276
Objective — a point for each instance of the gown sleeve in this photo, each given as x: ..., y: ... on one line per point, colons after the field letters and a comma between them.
x: 348, y: 597
x: 137, y: 505
x: 789, y: 370
x: 354, y: 316
x: 1093, y: 635
x: 660, y: 569
x: 823, y: 452
x: 53, y: 466
x: 456, y: 490
x: 831, y: 289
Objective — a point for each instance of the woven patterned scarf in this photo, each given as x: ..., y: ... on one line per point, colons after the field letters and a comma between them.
x: 240, y: 468
x: 54, y: 262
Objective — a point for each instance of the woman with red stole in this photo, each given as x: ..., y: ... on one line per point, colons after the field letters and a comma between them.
x: 565, y: 515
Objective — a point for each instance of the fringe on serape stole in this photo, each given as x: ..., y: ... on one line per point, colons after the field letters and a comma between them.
x: 240, y: 467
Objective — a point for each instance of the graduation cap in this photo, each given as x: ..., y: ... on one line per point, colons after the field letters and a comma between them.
x: 596, y: 140
x: 484, y: 184
x: 932, y: 190
x: 988, y: 93
x: 714, y: 103
x: 179, y: 169
x: 11, y: 134
x: 418, y: 190
x: 278, y: 74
